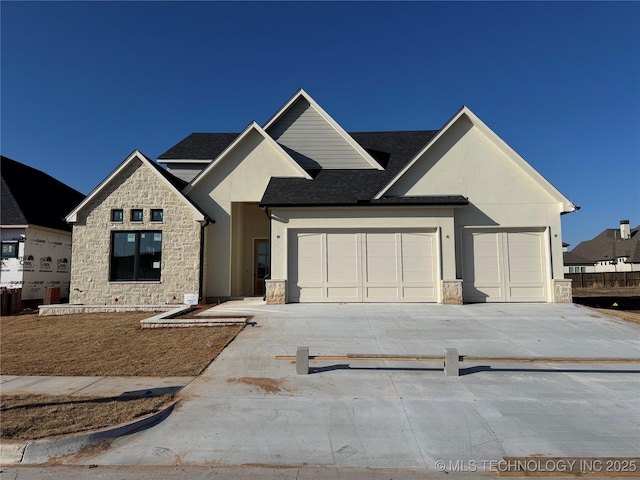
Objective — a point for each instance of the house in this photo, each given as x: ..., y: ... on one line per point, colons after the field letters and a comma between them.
x: 577, y: 264
x: 299, y: 210
x: 612, y: 250
x: 36, y: 240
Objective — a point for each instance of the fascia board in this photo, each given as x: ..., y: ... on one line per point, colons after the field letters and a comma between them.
x: 73, y: 216
x: 504, y: 146
x: 165, y: 161
x: 232, y: 146
x: 329, y: 119
x: 282, y: 109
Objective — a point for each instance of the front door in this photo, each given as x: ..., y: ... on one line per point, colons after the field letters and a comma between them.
x: 261, y: 264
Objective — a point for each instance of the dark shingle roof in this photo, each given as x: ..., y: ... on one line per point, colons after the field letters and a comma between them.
x: 393, y: 150
x: 570, y: 258
x: 31, y: 197
x: 199, y: 146
x: 347, y: 187
x: 608, y: 245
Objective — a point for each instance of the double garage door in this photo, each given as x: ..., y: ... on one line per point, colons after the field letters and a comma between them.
x: 362, y: 266
x: 504, y: 266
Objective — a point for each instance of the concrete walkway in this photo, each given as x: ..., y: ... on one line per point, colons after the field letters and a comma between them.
x: 91, y: 386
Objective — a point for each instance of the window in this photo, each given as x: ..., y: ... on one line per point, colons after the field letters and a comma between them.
x: 9, y: 249
x: 156, y: 215
x: 136, y: 256
x: 137, y: 215
x: 117, y: 215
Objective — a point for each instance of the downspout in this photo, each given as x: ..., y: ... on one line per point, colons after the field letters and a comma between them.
x: 201, y: 274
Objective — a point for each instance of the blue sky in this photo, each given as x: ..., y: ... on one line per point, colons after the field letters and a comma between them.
x: 85, y: 83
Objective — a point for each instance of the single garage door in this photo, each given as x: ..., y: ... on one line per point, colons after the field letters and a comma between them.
x: 504, y: 266
x: 362, y: 266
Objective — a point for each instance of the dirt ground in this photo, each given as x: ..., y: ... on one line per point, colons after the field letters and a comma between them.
x: 106, y: 344
x: 29, y: 417
x: 607, y: 292
x: 622, y: 302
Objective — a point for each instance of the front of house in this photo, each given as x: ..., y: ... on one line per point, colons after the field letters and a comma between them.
x: 298, y: 210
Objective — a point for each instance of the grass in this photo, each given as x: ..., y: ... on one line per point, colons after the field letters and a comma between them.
x: 106, y: 344
x: 29, y: 417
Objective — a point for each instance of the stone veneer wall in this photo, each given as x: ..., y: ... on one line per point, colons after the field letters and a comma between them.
x: 137, y: 186
x: 451, y: 292
x: 562, y: 291
x: 276, y: 292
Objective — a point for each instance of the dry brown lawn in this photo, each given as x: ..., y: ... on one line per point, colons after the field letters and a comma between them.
x: 629, y: 316
x: 606, y: 292
x: 28, y: 417
x: 106, y: 344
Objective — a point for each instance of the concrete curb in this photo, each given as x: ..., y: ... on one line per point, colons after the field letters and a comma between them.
x: 43, y: 451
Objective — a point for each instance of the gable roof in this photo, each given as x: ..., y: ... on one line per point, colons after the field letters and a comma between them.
x: 31, y: 197
x: 167, y: 178
x: 608, y: 245
x: 330, y: 129
x: 357, y: 187
x: 252, y: 127
x: 512, y: 154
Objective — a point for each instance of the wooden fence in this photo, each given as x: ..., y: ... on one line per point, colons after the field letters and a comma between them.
x: 604, y: 279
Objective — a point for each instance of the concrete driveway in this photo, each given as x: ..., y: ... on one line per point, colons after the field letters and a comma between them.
x: 248, y: 408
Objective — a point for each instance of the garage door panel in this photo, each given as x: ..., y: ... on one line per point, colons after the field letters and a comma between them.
x: 417, y: 293
x: 361, y: 266
x: 342, y: 257
x: 527, y: 294
x: 308, y: 250
x: 418, y: 260
x: 382, y: 269
x: 382, y: 294
x: 381, y: 258
x: 504, y: 266
x: 350, y: 294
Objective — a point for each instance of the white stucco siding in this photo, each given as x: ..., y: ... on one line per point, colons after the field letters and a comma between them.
x: 241, y: 176
x: 465, y: 161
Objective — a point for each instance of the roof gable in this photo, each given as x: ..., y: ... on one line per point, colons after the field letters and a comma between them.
x: 314, y: 139
x: 253, y: 127
x: 175, y: 184
x: 26, y: 191
x: 464, y: 115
